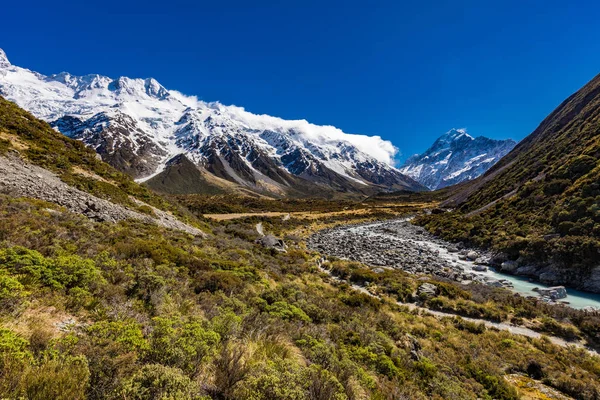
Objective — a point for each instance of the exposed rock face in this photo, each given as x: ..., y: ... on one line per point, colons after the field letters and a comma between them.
x: 18, y: 178
x: 592, y: 282
x: 455, y: 157
x: 118, y: 139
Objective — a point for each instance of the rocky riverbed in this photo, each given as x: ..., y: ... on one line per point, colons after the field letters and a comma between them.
x: 401, y: 245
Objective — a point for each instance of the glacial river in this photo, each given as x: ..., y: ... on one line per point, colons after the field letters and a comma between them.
x: 575, y: 298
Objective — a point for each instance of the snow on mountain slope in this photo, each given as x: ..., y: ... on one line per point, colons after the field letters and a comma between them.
x: 137, y: 125
x: 455, y: 157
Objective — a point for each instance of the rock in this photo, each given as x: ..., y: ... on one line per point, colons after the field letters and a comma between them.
x: 553, y: 293
x: 413, y: 346
x: 452, y: 249
x: 509, y: 266
x: 260, y: 229
x: 526, y: 270
x: 480, y: 268
x: 497, y: 259
x: 482, y: 261
x: 472, y: 255
x: 427, y: 290
x: 272, y: 242
x: 506, y: 283
x: 378, y: 270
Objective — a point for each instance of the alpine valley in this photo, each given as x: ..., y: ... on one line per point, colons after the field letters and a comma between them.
x: 184, y: 287
x: 179, y: 144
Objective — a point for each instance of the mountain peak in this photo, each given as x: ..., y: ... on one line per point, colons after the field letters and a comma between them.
x: 4, y: 63
x: 455, y: 157
x: 457, y: 133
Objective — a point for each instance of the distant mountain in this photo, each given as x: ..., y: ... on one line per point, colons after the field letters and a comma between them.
x: 455, y: 157
x: 141, y: 128
x: 539, y: 207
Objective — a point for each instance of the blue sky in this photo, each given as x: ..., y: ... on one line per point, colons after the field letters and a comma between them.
x: 407, y: 71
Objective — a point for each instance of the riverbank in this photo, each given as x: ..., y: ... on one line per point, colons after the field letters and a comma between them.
x: 398, y: 244
x: 513, y: 329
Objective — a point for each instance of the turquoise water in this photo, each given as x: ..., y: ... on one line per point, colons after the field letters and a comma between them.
x: 575, y: 298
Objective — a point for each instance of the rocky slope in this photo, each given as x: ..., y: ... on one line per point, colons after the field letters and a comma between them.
x: 455, y: 157
x: 37, y: 162
x: 138, y: 126
x: 539, y: 206
x: 21, y: 179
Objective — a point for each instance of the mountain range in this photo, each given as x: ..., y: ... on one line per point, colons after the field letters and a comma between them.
x: 179, y: 144
x: 455, y: 157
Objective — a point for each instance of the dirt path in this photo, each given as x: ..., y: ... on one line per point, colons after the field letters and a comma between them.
x: 503, y: 326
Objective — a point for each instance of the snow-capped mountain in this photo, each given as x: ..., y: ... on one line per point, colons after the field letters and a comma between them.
x: 138, y: 126
x: 455, y: 157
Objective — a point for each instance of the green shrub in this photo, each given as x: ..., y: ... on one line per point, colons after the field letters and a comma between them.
x: 11, y: 292
x: 185, y: 345
x: 284, y: 310
x: 157, y: 382
x: 63, y: 272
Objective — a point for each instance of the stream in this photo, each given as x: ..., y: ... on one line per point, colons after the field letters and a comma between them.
x: 401, y: 245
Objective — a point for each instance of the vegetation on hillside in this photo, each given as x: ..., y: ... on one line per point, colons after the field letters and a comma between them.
x: 99, y: 310
x: 551, y: 181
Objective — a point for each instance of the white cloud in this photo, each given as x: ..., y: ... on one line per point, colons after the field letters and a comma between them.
x: 374, y: 146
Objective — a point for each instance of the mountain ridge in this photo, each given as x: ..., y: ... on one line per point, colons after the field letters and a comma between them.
x: 137, y: 125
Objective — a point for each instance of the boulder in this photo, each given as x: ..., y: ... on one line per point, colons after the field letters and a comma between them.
x: 497, y: 259
x: 427, y: 290
x: 414, y: 347
x: 509, y: 266
x: 480, y: 268
x: 472, y: 255
x: 553, y: 293
x: 482, y: 260
x: 272, y: 242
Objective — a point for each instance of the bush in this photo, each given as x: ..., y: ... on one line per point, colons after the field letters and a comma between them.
x: 157, y: 382
x: 287, y: 311
x: 186, y: 345
x: 11, y: 292
x: 63, y: 272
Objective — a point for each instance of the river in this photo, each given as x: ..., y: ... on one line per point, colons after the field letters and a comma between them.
x: 369, y: 242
